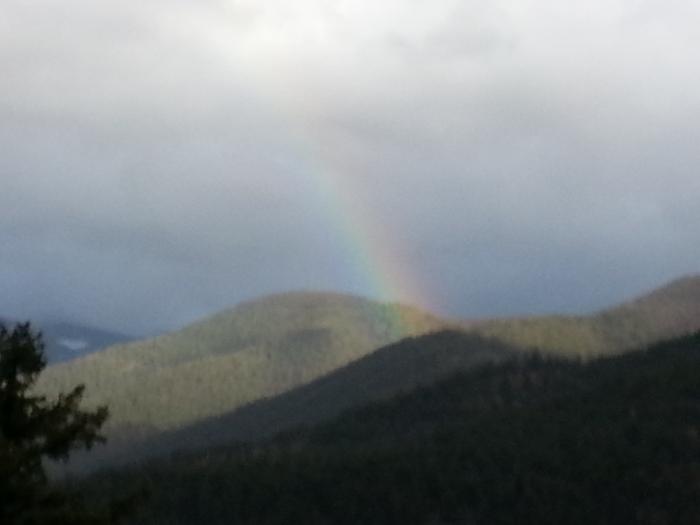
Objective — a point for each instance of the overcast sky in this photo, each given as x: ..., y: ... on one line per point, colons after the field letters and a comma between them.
x: 162, y: 160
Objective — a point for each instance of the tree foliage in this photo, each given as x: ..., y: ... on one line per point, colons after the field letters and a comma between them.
x: 33, y: 429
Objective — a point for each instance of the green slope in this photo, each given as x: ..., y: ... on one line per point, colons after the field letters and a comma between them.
x: 259, y: 349
x: 528, y: 442
x: 667, y: 312
x: 397, y: 368
x: 268, y: 347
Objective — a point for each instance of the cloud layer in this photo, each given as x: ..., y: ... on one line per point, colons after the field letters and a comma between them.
x: 163, y: 160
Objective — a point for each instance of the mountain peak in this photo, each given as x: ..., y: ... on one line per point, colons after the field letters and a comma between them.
x: 258, y: 349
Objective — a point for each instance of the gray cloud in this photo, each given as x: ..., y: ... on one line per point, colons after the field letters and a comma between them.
x: 162, y: 160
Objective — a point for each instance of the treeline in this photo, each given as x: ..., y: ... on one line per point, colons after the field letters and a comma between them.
x: 533, y: 440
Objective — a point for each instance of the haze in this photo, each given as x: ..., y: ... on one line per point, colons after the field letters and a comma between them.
x: 164, y: 160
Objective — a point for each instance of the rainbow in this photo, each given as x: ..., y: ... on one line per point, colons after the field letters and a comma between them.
x: 369, y: 245
x: 371, y: 249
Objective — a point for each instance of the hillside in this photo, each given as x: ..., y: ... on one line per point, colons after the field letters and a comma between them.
x: 258, y: 349
x: 201, y: 379
x: 670, y: 311
x: 531, y: 441
x: 391, y: 370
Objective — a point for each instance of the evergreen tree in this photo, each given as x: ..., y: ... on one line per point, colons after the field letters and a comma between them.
x: 33, y: 429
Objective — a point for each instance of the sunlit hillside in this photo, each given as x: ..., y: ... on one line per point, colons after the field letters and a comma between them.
x: 391, y: 370
x: 670, y: 311
x: 259, y: 349
x: 285, y: 345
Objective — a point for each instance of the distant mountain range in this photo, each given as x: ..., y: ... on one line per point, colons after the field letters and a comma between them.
x: 299, y: 358
x: 65, y: 341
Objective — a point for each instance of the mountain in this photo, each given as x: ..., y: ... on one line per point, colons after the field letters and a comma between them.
x: 193, y: 387
x: 532, y: 440
x: 394, y: 369
x: 670, y: 311
x: 258, y: 349
x: 65, y: 341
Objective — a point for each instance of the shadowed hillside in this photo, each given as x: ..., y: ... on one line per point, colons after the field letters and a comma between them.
x: 667, y: 312
x: 397, y: 368
x: 531, y: 441
x: 259, y: 349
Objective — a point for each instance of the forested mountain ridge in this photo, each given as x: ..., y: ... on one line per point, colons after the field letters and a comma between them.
x: 391, y: 370
x: 530, y: 441
x: 258, y: 349
x: 273, y: 345
x: 669, y: 311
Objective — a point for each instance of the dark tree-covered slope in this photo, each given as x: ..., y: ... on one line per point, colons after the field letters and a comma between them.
x: 394, y: 369
x: 532, y: 441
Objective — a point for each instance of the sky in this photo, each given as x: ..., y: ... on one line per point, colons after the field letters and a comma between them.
x: 163, y: 160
